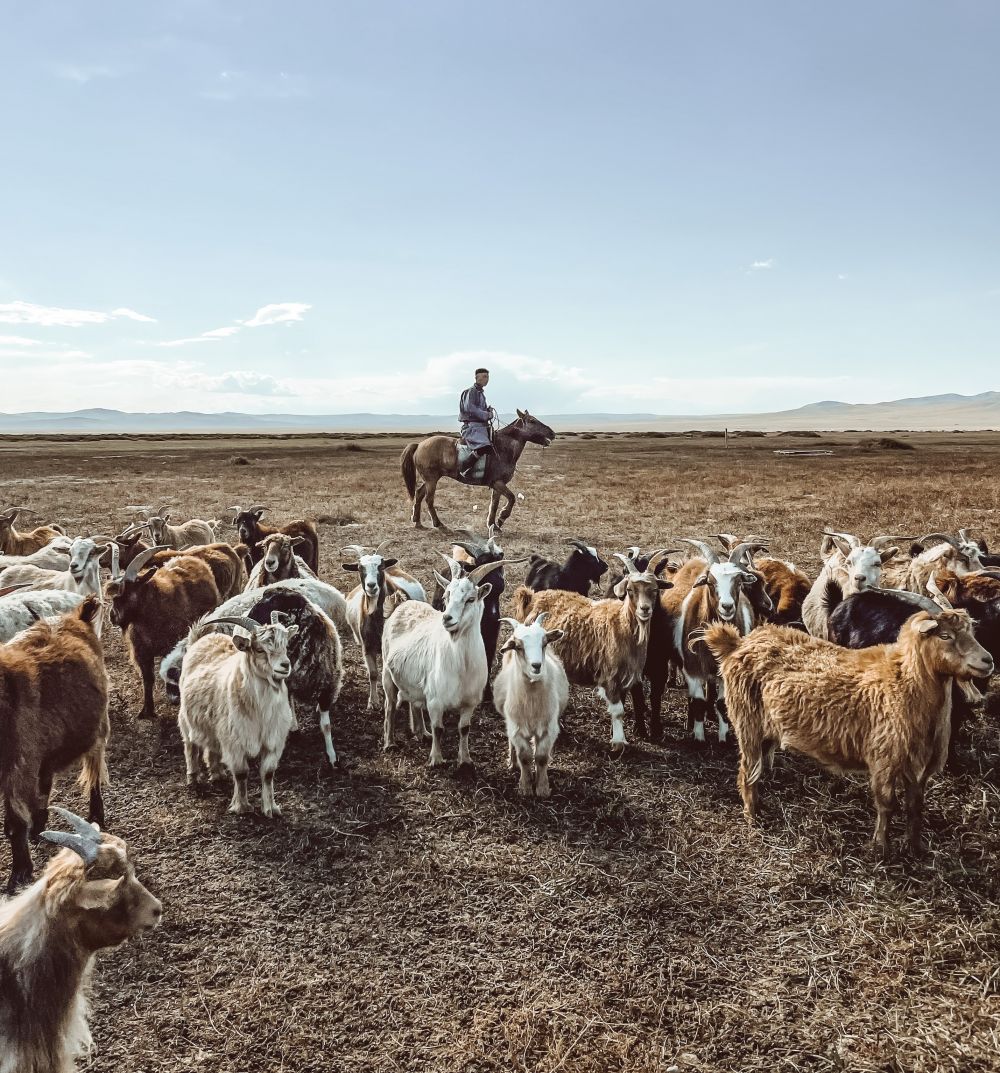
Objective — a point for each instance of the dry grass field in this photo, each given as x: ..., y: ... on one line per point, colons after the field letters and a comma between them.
x: 398, y: 918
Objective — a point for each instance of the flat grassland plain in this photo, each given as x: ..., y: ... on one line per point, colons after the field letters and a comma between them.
x: 398, y: 918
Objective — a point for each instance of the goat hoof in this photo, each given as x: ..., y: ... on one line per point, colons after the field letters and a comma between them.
x: 273, y: 813
x: 436, y: 761
x: 18, y: 880
x: 240, y: 810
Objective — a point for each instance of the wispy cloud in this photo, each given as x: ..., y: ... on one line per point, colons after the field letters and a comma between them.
x: 54, y: 316
x: 239, y: 85
x: 275, y: 313
x: 18, y: 340
x: 757, y: 266
x: 82, y: 73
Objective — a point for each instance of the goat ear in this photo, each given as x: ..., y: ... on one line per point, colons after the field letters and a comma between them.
x: 484, y: 590
x: 347, y: 566
x: 553, y: 635
x: 621, y: 588
x: 443, y: 582
x: 662, y: 583
x: 296, y: 541
x: 701, y: 580
x: 242, y: 642
x: 386, y: 563
x: 887, y: 553
x: 509, y: 646
x: 166, y: 517
x: 99, y: 893
x: 261, y: 543
x: 292, y: 632
x: 258, y: 512
x: 927, y: 625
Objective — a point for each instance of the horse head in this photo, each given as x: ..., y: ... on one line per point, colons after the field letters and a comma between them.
x: 533, y: 430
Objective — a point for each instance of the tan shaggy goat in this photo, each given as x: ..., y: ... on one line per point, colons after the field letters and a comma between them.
x: 885, y: 710
x: 88, y: 899
x: 14, y: 543
x: 603, y: 642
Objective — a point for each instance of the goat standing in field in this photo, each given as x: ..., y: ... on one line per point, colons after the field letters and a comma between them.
x: 885, y: 710
x: 530, y: 692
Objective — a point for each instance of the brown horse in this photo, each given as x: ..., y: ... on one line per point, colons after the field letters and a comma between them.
x: 437, y: 456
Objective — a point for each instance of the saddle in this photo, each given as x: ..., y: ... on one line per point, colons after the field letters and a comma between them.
x: 478, y: 474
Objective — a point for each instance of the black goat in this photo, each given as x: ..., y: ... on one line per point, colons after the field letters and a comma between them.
x: 582, y: 568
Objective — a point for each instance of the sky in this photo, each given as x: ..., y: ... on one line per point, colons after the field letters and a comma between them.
x: 629, y: 206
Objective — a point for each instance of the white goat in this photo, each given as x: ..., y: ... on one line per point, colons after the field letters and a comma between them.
x: 436, y: 660
x: 235, y: 706
x: 182, y: 536
x: 530, y: 691
x: 82, y: 575
x: 20, y: 610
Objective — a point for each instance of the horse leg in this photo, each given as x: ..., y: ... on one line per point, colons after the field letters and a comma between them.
x: 494, y: 503
x: 431, y: 489
x: 508, y: 507
x: 418, y: 498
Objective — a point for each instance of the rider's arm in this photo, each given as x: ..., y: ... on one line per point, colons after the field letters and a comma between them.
x: 474, y: 405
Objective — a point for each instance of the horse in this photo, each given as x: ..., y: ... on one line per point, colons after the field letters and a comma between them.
x: 437, y: 456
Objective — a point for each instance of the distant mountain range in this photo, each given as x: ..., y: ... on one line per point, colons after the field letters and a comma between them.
x: 933, y: 412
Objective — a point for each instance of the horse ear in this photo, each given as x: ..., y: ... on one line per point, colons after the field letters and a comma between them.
x: 522, y: 414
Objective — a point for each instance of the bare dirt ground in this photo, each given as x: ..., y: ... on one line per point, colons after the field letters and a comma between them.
x: 398, y: 918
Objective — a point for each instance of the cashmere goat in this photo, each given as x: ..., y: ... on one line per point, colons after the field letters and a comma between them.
x: 959, y: 554
x: 14, y: 543
x: 53, y: 712
x: 235, y: 705
x: 583, y: 567
x: 435, y: 660
x: 252, y: 531
x: 885, y: 710
x: 186, y: 535
x: 315, y: 652
x: 707, y: 589
x: 855, y: 567
x: 530, y: 692
x: 155, y: 608
x: 54, y: 556
x: 87, y: 900
x: 19, y: 610
x: 603, y: 642
x: 279, y: 561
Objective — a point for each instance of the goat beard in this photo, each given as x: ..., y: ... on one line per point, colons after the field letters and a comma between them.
x: 970, y: 690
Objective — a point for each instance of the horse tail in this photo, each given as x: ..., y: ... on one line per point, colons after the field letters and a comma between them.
x: 409, y: 469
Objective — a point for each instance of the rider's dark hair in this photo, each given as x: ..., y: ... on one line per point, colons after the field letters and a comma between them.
x: 478, y: 371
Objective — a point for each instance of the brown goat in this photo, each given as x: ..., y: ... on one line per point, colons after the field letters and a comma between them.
x: 786, y: 585
x: 14, y: 543
x: 252, y: 531
x: 53, y: 712
x: 224, y: 560
x: 885, y: 710
x: 156, y: 607
x: 604, y: 642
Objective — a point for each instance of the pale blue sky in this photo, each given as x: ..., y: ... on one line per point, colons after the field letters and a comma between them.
x: 628, y: 206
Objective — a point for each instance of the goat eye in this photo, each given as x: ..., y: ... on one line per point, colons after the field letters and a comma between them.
x: 945, y: 636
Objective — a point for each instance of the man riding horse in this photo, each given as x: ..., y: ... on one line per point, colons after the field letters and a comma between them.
x: 475, y: 415
x: 423, y: 464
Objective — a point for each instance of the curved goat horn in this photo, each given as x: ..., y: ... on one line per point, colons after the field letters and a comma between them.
x: 851, y: 539
x: 707, y: 554
x: 474, y: 550
x: 87, y: 850
x: 247, y: 624
x: 629, y: 563
x: 741, y: 554
x: 478, y: 573
x: 937, y: 595
x: 356, y: 548
x: 133, y: 568
x: 945, y: 538
x: 883, y: 540
x: 454, y: 565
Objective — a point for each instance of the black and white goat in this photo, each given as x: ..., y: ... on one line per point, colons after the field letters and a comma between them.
x: 583, y: 567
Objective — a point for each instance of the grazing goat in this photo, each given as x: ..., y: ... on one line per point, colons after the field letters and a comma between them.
x: 583, y: 567
x: 278, y: 561
x: 179, y: 537
x: 853, y: 565
x: 706, y: 590
x: 155, y: 608
x: 885, y: 710
x: 530, y: 692
x: 53, y: 712
x: 235, y: 705
x: 54, y: 556
x: 14, y: 543
x: 435, y: 660
x: 366, y: 612
x: 603, y: 642
x: 87, y: 899
x: 957, y: 554
x: 315, y: 652
x: 19, y: 610
x: 252, y: 531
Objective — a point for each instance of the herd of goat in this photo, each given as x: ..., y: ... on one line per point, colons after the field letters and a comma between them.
x: 868, y: 667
